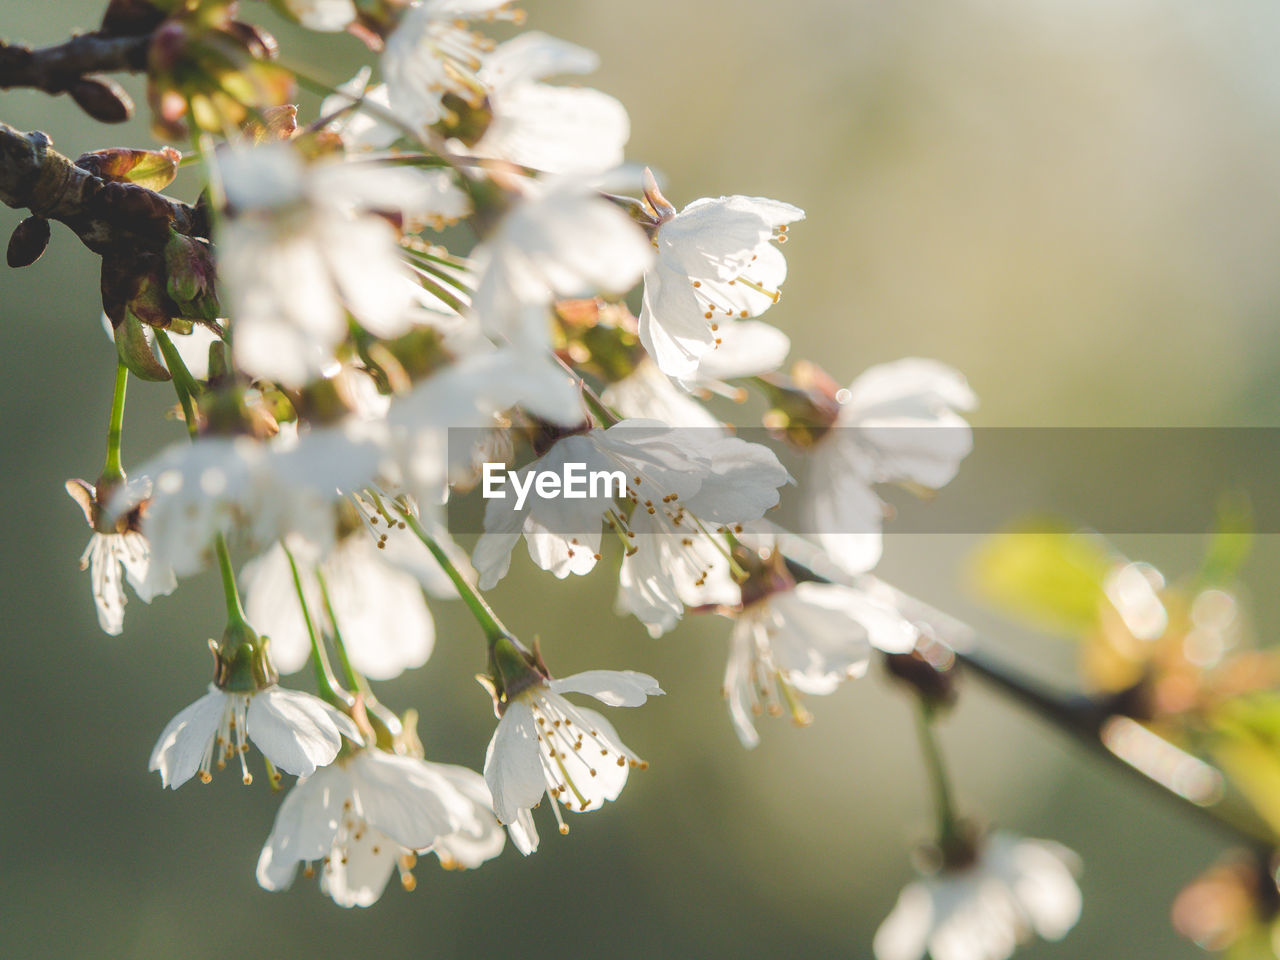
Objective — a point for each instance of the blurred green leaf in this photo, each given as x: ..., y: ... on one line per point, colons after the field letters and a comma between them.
x: 1050, y: 579
x: 1231, y: 541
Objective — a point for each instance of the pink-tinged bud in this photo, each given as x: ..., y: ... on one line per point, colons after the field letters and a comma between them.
x: 103, y: 99
x: 153, y: 169
x: 168, y: 48
x: 260, y: 44
x: 278, y: 123
x: 28, y: 242
x: 135, y: 351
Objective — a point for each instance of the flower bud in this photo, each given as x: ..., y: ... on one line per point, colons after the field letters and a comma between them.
x: 803, y: 406
x: 153, y: 169
x: 189, y: 272
x: 150, y: 302
x: 28, y: 242
x: 103, y: 99
x: 135, y: 350
x: 277, y: 123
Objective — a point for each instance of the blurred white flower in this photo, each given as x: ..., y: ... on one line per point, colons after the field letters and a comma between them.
x: 329, y: 16
x: 358, y: 127
x: 715, y: 262
x: 897, y: 424
x: 806, y: 637
x: 254, y: 492
x: 550, y: 129
x: 561, y: 239
x: 385, y: 624
x: 370, y: 814
x: 648, y: 393
x: 294, y: 730
x: 981, y: 911
x: 433, y: 53
x: 546, y: 745
x: 303, y: 245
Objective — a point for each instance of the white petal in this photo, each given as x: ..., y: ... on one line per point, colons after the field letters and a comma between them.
x: 296, y: 731
x: 357, y: 877
x: 903, y: 934
x: 178, y: 752
x: 512, y: 767
x: 613, y: 688
x: 406, y: 799
x: 305, y: 826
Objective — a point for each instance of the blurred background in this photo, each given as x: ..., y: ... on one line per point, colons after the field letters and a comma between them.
x: 1076, y: 203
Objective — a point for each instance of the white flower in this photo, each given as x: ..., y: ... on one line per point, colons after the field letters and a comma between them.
x: 432, y: 53
x: 254, y: 492
x: 295, y: 731
x: 715, y: 263
x: 546, y: 745
x: 551, y: 129
x: 982, y: 911
x: 897, y: 424
x: 560, y: 240
x: 747, y: 348
x: 123, y: 550
x: 685, y: 476
x: 361, y: 128
x: 300, y: 248
x: 808, y: 637
x: 371, y: 813
x: 329, y: 16
x: 385, y: 624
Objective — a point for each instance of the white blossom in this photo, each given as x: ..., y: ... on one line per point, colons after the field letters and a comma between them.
x: 685, y: 475
x: 370, y: 814
x: 303, y: 245
x: 297, y: 732
x: 122, y: 553
x: 375, y: 587
x: 561, y: 239
x: 324, y: 15
x: 432, y: 52
x: 983, y: 911
x: 897, y: 424
x: 545, y: 745
x: 806, y: 637
x: 547, y: 128
x: 715, y: 263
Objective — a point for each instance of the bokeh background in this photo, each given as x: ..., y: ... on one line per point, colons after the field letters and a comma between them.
x: 1074, y: 202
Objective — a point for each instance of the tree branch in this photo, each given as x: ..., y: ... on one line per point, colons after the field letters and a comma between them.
x: 109, y: 217
x: 58, y: 68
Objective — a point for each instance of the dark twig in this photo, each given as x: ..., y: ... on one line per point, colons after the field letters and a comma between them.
x: 107, y: 216
x: 58, y: 68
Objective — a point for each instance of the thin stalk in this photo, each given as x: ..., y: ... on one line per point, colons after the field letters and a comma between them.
x: 235, y: 612
x: 183, y: 383
x: 355, y: 680
x: 326, y: 683
x: 939, y: 781
x: 112, y: 468
x: 480, y: 609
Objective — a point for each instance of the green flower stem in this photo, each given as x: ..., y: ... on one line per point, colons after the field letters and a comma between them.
x: 326, y: 683
x: 235, y: 612
x: 112, y: 469
x: 939, y: 782
x: 355, y: 680
x: 183, y: 383
x: 493, y: 628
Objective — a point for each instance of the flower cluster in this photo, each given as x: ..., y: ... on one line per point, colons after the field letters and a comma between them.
x: 346, y: 368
